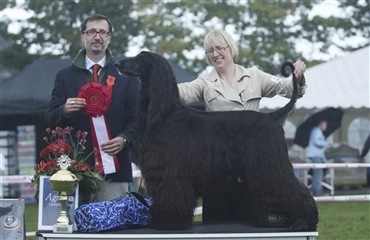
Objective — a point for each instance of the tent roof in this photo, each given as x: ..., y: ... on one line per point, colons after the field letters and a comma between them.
x: 342, y: 82
x: 29, y: 91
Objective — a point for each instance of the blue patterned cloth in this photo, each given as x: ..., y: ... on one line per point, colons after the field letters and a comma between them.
x: 123, y: 212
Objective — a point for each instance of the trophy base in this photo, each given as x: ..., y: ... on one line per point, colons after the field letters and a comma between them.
x: 62, y: 228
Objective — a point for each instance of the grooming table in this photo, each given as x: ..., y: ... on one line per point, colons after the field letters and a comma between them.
x: 198, y: 231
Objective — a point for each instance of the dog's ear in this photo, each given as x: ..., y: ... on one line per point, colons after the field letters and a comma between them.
x: 118, y: 66
x: 163, y: 89
x: 129, y: 67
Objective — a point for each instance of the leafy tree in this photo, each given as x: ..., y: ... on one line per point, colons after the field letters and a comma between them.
x: 357, y: 21
x: 54, y: 29
x: 265, y: 36
x: 354, y: 22
x: 266, y: 31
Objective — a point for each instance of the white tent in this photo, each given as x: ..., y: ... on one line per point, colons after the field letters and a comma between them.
x: 343, y: 82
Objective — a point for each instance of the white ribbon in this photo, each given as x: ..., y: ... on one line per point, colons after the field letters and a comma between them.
x: 102, y: 136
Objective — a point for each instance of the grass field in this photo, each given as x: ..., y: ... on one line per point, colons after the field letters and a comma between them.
x: 338, y: 220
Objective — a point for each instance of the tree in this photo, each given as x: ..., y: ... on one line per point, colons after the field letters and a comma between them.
x: 265, y: 36
x: 54, y: 29
x: 356, y: 22
x: 267, y: 31
x: 339, y: 32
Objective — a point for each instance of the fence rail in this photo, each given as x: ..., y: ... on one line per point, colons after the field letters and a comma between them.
x: 330, y: 165
x: 136, y: 173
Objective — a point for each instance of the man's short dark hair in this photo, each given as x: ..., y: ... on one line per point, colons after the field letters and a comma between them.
x: 96, y: 17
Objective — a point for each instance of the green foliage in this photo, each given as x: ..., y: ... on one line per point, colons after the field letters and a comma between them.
x: 266, y: 31
x: 54, y: 29
x: 7, y: 4
x: 358, y: 17
x: 58, y: 23
x: 271, y: 37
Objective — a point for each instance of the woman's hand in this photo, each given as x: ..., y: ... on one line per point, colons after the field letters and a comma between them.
x: 299, y: 69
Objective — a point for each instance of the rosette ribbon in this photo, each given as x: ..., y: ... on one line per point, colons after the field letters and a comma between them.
x: 98, y: 99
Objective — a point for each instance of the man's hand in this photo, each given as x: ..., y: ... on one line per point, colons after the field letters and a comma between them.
x: 73, y: 105
x: 113, y: 146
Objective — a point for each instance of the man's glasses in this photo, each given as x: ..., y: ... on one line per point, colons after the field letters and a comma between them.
x: 93, y: 32
x: 218, y: 49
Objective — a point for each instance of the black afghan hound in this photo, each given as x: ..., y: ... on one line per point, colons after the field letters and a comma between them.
x: 185, y: 154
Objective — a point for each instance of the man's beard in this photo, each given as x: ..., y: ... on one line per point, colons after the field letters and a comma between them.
x: 96, y: 51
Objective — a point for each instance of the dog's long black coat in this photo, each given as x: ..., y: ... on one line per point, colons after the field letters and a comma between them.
x: 185, y: 154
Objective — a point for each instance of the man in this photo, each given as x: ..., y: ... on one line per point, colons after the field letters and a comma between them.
x: 316, y: 153
x: 111, y: 129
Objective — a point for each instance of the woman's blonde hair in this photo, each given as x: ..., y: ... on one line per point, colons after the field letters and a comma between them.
x: 220, y: 36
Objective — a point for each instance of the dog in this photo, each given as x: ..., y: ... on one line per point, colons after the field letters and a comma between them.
x: 185, y: 154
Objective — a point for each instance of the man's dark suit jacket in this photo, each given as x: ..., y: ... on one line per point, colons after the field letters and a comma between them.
x: 120, y: 115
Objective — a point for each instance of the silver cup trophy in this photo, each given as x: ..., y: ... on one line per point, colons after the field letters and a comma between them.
x: 64, y: 183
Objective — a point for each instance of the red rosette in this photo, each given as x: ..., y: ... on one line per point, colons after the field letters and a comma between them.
x: 97, y: 98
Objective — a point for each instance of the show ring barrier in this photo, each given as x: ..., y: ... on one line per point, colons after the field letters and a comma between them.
x: 331, y: 176
x: 305, y: 166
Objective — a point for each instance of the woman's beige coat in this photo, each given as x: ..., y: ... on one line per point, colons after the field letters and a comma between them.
x: 248, y: 87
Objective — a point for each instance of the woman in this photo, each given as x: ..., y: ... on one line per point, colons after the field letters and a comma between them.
x: 228, y: 87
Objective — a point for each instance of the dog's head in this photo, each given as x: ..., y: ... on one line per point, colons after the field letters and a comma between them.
x: 141, y: 64
x: 158, y: 91
x: 134, y: 66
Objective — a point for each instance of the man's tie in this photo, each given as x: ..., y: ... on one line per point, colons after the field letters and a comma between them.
x: 95, y: 69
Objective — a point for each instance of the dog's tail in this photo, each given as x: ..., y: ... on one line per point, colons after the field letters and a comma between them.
x: 281, y: 114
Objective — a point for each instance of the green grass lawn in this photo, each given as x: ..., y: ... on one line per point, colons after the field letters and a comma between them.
x: 337, y: 221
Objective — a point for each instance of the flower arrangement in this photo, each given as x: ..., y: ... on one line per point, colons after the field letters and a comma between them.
x: 60, y: 142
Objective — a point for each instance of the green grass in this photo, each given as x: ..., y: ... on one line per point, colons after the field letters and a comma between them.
x: 344, y: 221
x: 337, y: 221
x: 31, y: 219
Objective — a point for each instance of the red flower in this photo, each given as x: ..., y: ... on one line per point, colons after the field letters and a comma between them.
x: 59, y: 147
x: 60, y: 142
x: 110, y: 80
x: 44, y: 166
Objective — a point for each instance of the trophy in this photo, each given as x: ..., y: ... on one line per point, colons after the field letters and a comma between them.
x: 64, y: 183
